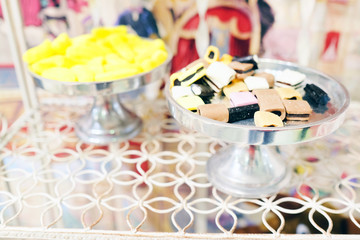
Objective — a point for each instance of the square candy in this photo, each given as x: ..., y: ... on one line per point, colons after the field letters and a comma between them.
x: 290, y: 77
x: 270, y: 101
x: 297, y: 110
x: 235, y: 86
x: 256, y: 83
x: 220, y: 74
x: 238, y: 99
x: 190, y: 102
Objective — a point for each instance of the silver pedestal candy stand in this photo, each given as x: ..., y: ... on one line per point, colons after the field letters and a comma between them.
x: 253, y: 166
x: 108, y: 120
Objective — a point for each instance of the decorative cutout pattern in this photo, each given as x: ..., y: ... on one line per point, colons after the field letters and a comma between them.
x: 49, y: 179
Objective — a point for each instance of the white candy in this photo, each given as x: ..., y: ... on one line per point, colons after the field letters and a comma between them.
x: 179, y: 91
x: 253, y: 83
x: 220, y: 74
x: 290, y: 77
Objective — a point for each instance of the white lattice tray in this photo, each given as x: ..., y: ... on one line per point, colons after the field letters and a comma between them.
x: 55, y: 186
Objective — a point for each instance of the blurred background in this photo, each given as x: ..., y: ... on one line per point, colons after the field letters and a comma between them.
x: 321, y: 34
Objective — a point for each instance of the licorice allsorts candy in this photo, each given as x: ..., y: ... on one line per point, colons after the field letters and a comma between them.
x: 219, y: 75
x: 212, y: 54
x: 254, y: 83
x: 270, y: 101
x: 192, y: 74
x: 297, y: 110
x: 290, y: 78
x: 221, y: 113
x: 253, y: 59
x: 215, y: 111
x: 243, y: 70
x: 190, y: 102
x: 235, y: 86
x: 238, y: 99
x: 316, y: 94
x: 288, y: 93
x: 267, y: 119
x: 241, y: 113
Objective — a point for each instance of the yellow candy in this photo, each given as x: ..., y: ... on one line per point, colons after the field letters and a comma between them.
x: 114, y: 75
x: 158, y: 44
x: 125, y: 52
x: 39, y: 52
x: 60, y: 74
x: 133, y: 39
x: 108, y: 53
x: 143, y: 48
x: 146, y: 65
x: 83, y: 39
x: 46, y: 63
x: 190, y: 102
x: 159, y: 57
x: 105, y: 43
x: 114, y: 67
x: 96, y: 65
x: 69, y: 62
x: 142, y: 56
x: 226, y: 58
x: 116, y: 39
x: 85, y: 52
x: 83, y: 73
x: 114, y: 59
x: 102, y: 32
x: 61, y: 43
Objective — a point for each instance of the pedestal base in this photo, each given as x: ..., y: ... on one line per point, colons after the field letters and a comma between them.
x: 108, y: 121
x: 248, y: 171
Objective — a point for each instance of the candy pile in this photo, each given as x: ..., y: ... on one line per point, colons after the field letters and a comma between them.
x: 230, y: 89
x: 107, y: 53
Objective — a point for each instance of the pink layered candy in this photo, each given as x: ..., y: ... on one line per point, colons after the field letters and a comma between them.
x: 238, y: 99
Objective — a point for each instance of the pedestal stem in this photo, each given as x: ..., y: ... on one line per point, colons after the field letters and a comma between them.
x: 108, y: 121
x: 248, y: 170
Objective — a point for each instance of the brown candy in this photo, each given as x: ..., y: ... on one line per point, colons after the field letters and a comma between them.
x: 243, y: 70
x: 270, y: 101
x: 217, y: 112
x: 297, y: 110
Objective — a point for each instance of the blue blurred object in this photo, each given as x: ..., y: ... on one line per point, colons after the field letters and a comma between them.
x: 8, y: 77
x: 142, y: 21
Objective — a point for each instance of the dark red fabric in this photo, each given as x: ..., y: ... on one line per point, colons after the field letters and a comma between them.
x: 186, y: 51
